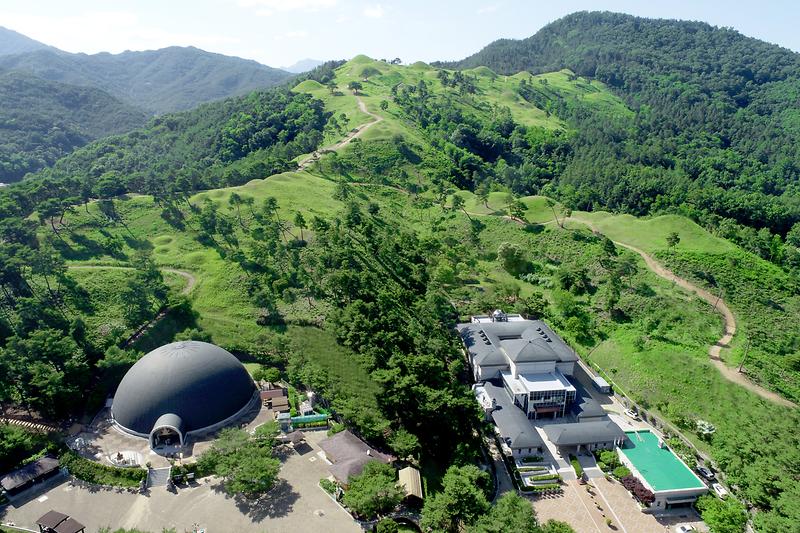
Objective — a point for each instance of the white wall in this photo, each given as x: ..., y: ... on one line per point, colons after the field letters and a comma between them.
x: 483, y: 373
x: 533, y: 368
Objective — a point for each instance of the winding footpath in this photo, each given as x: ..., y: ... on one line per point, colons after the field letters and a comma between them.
x: 357, y: 132
x: 191, y: 280
x: 721, y: 307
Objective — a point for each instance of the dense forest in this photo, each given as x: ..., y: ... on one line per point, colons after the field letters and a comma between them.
x: 42, y: 121
x: 182, y: 152
x: 714, y: 134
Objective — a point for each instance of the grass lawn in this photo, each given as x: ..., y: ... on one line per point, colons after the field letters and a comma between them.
x: 252, y: 367
x: 104, y: 311
x: 339, y: 363
x: 650, y: 234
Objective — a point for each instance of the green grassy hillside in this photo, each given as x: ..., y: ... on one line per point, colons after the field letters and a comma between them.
x: 348, y: 275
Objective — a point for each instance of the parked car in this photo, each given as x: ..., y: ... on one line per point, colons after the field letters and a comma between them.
x: 706, y: 473
x: 721, y: 491
x: 632, y: 414
x: 684, y: 528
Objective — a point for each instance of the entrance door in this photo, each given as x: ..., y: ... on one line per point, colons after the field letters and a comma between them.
x: 165, y: 437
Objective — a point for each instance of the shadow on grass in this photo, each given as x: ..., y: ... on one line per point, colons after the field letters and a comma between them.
x: 165, y: 330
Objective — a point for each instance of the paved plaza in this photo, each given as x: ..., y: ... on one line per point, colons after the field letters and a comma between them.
x: 297, y: 503
x: 587, y: 511
x: 103, y: 440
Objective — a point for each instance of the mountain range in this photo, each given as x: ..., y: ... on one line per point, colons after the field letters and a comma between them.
x: 158, y: 81
x: 304, y: 65
x: 55, y: 101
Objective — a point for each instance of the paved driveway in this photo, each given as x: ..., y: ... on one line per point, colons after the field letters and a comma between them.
x: 295, y: 504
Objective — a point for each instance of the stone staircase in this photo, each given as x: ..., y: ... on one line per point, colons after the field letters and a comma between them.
x: 158, y: 477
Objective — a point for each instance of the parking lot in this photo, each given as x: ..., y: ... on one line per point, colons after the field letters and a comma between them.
x: 297, y: 503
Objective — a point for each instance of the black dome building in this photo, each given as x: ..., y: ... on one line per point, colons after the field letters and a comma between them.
x: 180, y: 389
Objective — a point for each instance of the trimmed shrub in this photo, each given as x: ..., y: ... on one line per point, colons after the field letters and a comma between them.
x: 638, y: 489
x: 99, y: 474
x: 609, y: 458
x: 532, y: 459
x: 546, y: 476
x: 576, y: 465
x: 199, y: 470
x: 387, y: 525
x: 621, y: 472
x: 532, y: 469
x: 328, y: 485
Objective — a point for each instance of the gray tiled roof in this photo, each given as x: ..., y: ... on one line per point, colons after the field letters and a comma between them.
x: 349, y: 455
x: 583, y: 433
x: 514, y: 426
x: 29, y: 472
x: 587, y: 407
x: 199, y: 382
x: 522, y: 341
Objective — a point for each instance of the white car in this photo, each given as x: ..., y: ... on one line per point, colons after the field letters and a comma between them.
x: 721, y: 491
x: 684, y: 528
x: 632, y: 414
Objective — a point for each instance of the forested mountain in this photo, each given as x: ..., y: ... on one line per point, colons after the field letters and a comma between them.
x: 41, y: 121
x: 159, y: 81
x: 221, y: 143
x: 12, y: 42
x: 52, y: 102
x: 716, y: 128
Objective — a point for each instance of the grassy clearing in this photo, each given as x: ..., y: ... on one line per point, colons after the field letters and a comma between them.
x: 339, y: 363
x: 104, y: 312
x: 650, y: 234
x: 760, y: 294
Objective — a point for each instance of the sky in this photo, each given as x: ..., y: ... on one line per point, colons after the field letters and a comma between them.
x: 281, y: 32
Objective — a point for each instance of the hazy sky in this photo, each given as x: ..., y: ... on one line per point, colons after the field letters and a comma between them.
x: 280, y: 32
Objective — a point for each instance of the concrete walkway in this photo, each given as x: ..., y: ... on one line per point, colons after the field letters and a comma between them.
x: 504, y: 482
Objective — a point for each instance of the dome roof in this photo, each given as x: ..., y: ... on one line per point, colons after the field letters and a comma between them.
x: 198, y: 382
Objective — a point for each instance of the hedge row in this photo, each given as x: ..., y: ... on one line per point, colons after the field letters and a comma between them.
x: 543, y: 477
x: 576, y: 465
x: 318, y: 424
x: 532, y: 459
x: 540, y: 488
x: 532, y: 469
x: 99, y: 474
